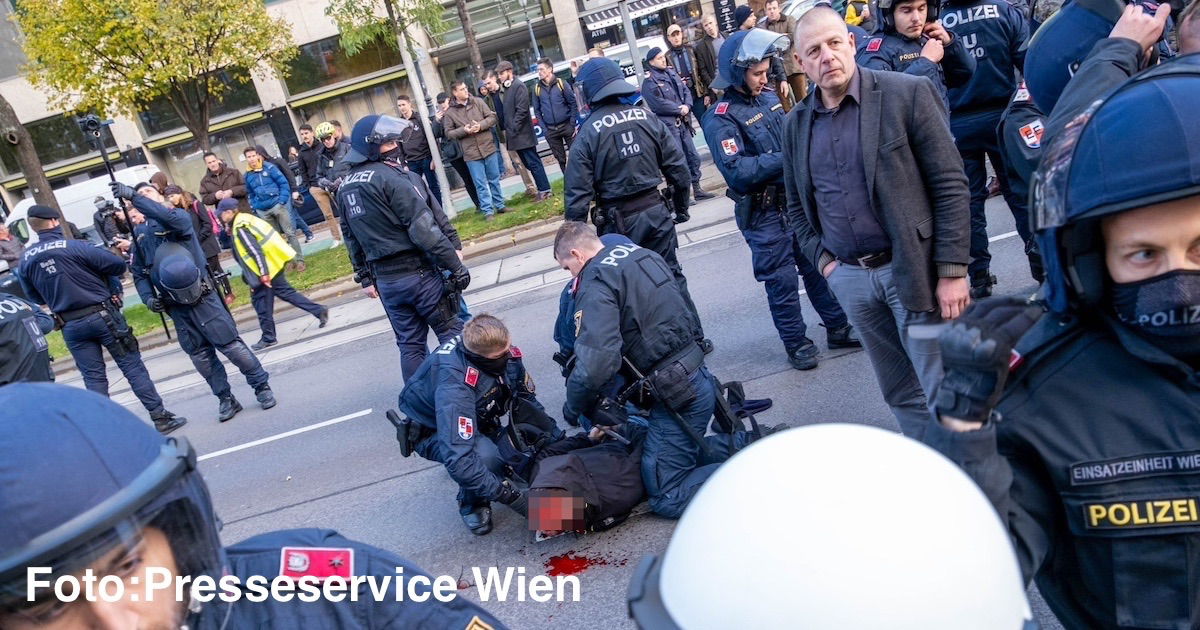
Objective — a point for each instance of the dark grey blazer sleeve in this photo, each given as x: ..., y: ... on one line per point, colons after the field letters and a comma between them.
x: 941, y: 168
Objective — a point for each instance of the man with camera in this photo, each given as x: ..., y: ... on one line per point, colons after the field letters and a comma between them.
x: 80, y: 284
x: 110, y: 225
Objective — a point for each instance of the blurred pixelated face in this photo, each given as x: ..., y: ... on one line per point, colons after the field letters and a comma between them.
x: 555, y: 511
x: 756, y: 77
x: 212, y: 163
x: 910, y: 18
x: 1153, y: 240
x: 128, y: 563
x: 826, y: 52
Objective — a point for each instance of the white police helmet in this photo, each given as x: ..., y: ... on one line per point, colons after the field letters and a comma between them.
x: 835, y: 526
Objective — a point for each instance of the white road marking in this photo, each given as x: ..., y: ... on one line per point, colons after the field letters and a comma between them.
x: 1000, y: 237
x: 311, y: 427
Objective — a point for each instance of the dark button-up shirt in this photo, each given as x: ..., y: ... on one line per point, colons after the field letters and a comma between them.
x: 850, y: 227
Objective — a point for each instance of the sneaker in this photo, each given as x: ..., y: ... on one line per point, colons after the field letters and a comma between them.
x: 262, y: 344
x: 166, y: 422
x: 804, y: 357
x: 229, y: 408
x: 488, y: 218
x: 843, y: 337
x: 323, y: 317
x: 502, y: 210
x: 265, y: 396
x: 300, y: 266
x: 335, y: 243
x: 308, y: 238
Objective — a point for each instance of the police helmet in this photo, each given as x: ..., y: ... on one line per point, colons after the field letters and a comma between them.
x: 601, y: 78
x: 876, y: 531
x: 82, y: 479
x: 932, y: 11
x: 1137, y: 146
x: 323, y: 130
x: 180, y: 278
x: 742, y: 50
x: 370, y: 132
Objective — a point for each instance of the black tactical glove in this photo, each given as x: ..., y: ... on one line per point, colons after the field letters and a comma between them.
x: 976, y: 350
x: 155, y: 305
x: 121, y: 191
x: 566, y: 361
x: 460, y: 279
x: 608, y: 413
x: 513, y: 497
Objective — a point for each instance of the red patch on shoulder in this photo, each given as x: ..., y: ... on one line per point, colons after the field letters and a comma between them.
x: 874, y: 44
x: 318, y: 562
x: 472, y: 376
x: 515, y: 352
x: 466, y: 427
x: 722, y: 107
x: 1014, y: 360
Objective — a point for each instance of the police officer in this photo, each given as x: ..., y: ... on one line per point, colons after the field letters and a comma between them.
x: 994, y: 33
x: 131, y: 507
x: 456, y: 403
x: 617, y: 158
x: 745, y: 135
x: 24, y: 353
x: 1084, y: 434
x: 627, y: 319
x: 167, y: 270
x: 1019, y: 140
x: 81, y: 284
x: 397, y: 250
x: 668, y: 96
x: 913, y: 41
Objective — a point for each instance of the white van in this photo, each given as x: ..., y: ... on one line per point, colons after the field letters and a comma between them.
x: 77, y: 202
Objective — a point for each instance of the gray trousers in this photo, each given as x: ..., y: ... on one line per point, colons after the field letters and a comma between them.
x: 280, y: 218
x: 908, y: 370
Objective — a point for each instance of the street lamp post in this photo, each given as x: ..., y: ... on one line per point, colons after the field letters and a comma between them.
x: 631, y: 37
x: 537, y: 54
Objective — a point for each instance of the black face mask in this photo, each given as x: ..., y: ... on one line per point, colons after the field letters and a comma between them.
x: 393, y: 154
x: 1165, y: 310
x: 495, y: 367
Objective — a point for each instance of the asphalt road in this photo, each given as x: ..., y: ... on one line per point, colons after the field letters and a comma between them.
x: 341, y: 469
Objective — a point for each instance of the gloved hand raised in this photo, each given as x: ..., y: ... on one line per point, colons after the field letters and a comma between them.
x: 155, y: 305
x: 121, y: 191
x: 976, y: 350
x: 460, y: 279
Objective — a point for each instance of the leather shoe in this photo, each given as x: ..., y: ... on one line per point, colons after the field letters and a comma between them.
x: 323, y: 317
x: 262, y: 344
x: 265, y: 396
x: 479, y: 520
x: 843, y: 337
x: 805, y: 356
x: 166, y: 422
x: 229, y: 408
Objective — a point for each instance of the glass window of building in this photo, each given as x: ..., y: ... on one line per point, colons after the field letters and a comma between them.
x: 185, y: 162
x: 687, y: 15
x: 159, y: 116
x: 521, y: 58
x: 324, y: 62
x: 488, y: 16
x: 56, y: 139
x: 348, y: 108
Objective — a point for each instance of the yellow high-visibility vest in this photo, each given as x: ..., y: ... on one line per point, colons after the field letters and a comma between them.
x: 275, y: 248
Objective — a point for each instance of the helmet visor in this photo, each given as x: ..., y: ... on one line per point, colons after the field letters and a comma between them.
x: 760, y: 44
x: 388, y: 128
x: 1054, y: 173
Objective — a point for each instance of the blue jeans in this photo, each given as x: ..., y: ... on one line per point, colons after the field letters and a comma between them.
x: 776, y: 257
x: 529, y: 157
x: 263, y: 299
x: 298, y: 220
x: 411, y: 304
x: 486, y: 175
x: 84, y: 338
x: 421, y: 167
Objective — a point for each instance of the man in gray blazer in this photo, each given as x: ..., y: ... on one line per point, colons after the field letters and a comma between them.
x: 878, y: 198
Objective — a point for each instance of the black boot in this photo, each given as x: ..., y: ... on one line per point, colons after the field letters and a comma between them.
x: 166, y: 422
x: 479, y: 520
x: 1035, y: 262
x: 229, y: 408
x: 981, y: 284
x: 700, y: 194
x: 805, y: 356
x: 265, y: 396
x: 843, y: 337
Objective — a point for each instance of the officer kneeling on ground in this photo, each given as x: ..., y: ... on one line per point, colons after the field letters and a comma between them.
x: 168, y: 276
x: 627, y: 318
x: 1085, y: 437
x: 455, y: 405
x: 127, y: 505
x: 394, y: 242
x: 745, y: 134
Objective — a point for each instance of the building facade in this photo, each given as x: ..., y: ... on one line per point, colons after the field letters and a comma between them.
x: 324, y: 83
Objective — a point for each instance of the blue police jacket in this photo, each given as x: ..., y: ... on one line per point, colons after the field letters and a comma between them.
x: 162, y: 224
x: 664, y: 92
x: 554, y: 105
x: 892, y: 51
x: 66, y: 275
x: 994, y: 32
x: 267, y: 188
x: 459, y: 401
x: 745, y: 136
x: 322, y: 553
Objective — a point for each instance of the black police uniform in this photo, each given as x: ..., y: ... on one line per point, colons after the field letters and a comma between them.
x: 78, y: 280
x: 745, y: 136
x: 627, y: 309
x: 24, y: 353
x: 459, y: 409
x: 619, y: 157
x: 893, y: 51
x: 994, y: 33
x: 205, y: 327
x: 395, y: 243
x: 1085, y: 468
x: 322, y: 553
x: 1019, y: 140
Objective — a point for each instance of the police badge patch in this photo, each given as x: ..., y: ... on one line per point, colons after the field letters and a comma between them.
x: 466, y: 427
x: 722, y: 107
x: 729, y: 145
x: 874, y: 44
x: 1032, y: 134
x: 472, y: 377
